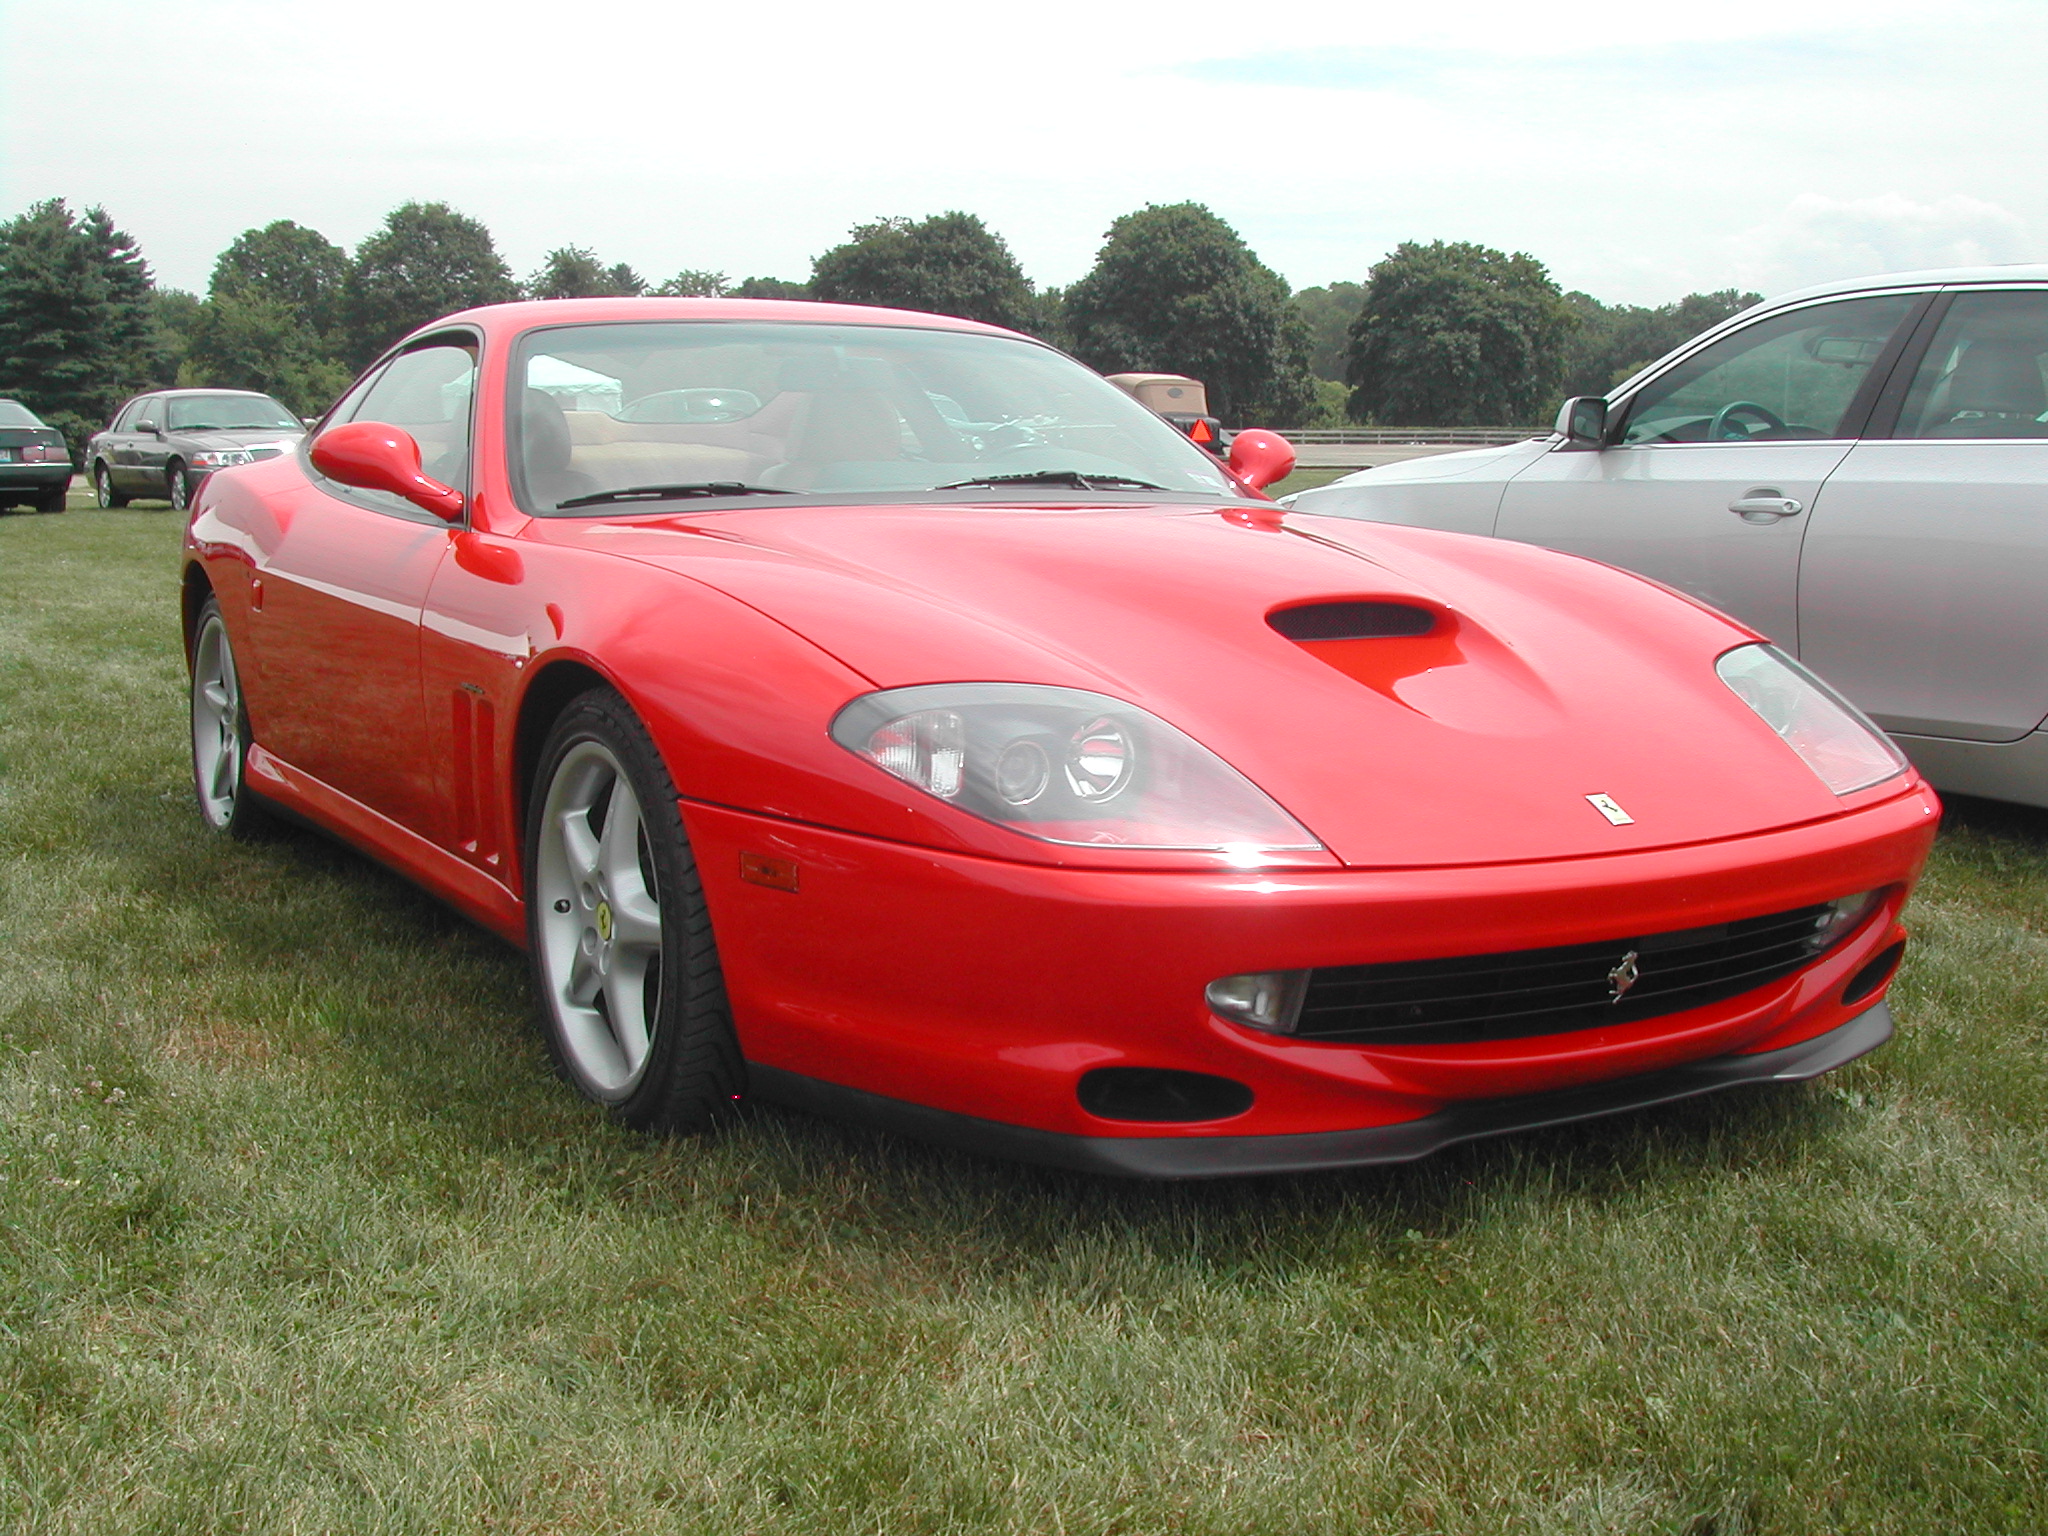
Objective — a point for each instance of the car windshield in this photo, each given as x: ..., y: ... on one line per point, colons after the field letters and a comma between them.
x: 229, y: 413
x: 13, y: 414
x: 616, y: 415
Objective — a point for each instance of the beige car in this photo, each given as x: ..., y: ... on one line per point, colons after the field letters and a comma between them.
x: 1180, y: 399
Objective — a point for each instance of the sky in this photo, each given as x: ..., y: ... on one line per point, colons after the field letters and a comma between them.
x: 1640, y: 150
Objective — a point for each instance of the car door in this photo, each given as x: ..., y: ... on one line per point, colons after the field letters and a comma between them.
x: 1711, y: 466
x: 1921, y: 589
x: 342, y: 591
x: 125, y: 452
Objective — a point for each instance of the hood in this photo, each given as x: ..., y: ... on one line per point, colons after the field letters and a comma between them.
x: 1501, y: 463
x: 1544, y: 679
x: 251, y: 438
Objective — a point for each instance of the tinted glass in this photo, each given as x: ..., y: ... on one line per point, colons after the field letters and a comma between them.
x: 1983, y: 375
x: 822, y: 410
x: 13, y: 414
x: 137, y: 410
x: 228, y: 413
x: 427, y: 392
x: 1791, y: 376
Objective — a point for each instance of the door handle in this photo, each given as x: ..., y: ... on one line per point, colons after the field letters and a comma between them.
x: 1765, y: 507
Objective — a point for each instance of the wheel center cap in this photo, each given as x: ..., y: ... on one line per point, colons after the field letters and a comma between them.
x: 604, y: 921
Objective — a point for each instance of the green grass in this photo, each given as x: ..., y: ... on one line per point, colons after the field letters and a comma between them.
x: 301, y: 1235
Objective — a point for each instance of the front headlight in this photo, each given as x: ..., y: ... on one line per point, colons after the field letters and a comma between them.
x: 221, y: 458
x: 1065, y: 766
x: 1825, y: 729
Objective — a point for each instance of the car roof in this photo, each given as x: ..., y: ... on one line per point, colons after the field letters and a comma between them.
x: 505, y: 319
x: 2017, y: 272
x: 179, y: 394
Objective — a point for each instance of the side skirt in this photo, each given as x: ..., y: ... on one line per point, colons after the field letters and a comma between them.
x: 1215, y: 1157
x: 469, y: 890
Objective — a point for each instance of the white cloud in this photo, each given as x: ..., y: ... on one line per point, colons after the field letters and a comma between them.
x: 1819, y: 239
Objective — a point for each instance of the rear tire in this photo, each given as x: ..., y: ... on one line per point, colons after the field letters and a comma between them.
x: 220, y: 733
x: 52, y: 500
x: 624, y: 966
x: 103, y: 491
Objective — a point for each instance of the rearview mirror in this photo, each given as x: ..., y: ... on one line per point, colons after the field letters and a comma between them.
x: 1582, y: 422
x: 1260, y: 458
x: 152, y: 428
x: 372, y: 456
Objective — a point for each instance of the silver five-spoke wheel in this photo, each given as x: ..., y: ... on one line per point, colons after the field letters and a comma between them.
x: 220, y: 729
x: 623, y: 960
x: 600, y: 919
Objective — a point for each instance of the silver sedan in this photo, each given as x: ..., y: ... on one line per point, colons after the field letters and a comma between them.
x: 1859, y: 471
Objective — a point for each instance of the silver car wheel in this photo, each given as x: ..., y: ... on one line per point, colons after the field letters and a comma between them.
x: 217, y: 744
x: 177, y: 489
x: 599, y: 920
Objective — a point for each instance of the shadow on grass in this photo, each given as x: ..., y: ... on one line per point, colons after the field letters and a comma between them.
x: 441, y: 1033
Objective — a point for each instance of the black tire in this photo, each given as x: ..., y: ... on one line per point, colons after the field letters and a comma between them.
x: 103, y: 491
x: 52, y: 500
x: 220, y: 733
x: 176, y: 488
x: 625, y: 969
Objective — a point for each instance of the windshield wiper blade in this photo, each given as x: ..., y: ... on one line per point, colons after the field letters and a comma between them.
x: 673, y: 492
x: 1080, y: 480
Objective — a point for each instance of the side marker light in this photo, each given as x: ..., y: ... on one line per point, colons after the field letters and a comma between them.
x: 761, y: 869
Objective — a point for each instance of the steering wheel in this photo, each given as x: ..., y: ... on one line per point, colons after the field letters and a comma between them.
x: 1717, y: 430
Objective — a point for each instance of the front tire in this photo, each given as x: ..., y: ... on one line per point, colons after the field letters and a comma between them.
x: 176, y: 488
x: 103, y: 491
x: 220, y: 732
x: 624, y: 965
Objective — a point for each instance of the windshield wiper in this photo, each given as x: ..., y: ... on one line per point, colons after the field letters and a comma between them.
x: 673, y: 492
x: 1080, y: 480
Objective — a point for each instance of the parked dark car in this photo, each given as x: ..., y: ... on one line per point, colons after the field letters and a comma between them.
x: 166, y: 442
x: 35, y: 466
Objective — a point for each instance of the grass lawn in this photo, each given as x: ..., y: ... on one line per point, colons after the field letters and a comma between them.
x: 301, y: 1235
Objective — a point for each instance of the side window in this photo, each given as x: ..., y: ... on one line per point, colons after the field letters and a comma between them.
x: 427, y: 391
x: 1982, y: 376
x: 137, y: 409
x: 1790, y: 376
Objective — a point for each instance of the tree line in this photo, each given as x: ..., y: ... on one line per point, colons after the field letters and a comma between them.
x: 1443, y: 334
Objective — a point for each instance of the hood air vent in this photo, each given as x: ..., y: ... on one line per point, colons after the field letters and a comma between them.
x: 1352, y: 621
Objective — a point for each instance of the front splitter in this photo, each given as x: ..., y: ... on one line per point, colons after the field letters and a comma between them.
x: 1216, y: 1157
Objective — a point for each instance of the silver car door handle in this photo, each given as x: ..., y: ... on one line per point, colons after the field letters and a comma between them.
x: 1764, y: 508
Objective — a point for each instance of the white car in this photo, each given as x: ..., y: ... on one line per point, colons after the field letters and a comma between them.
x: 1859, y: 471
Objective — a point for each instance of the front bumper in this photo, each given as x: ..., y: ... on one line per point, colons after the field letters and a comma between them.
x: 1216, y: 1157
x: 984, y: 989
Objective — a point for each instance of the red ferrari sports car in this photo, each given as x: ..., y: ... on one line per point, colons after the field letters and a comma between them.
x: 884, y: 714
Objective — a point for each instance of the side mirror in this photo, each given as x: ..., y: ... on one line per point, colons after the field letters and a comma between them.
x: 1582, y: 422
x: 1260, y: 458
x: 154, y: 429
x: 374, y: 457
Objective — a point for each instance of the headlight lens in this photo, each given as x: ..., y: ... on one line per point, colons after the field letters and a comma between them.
x: 221, y: 458
x: 1066, y: 766
x: 1825, y: 729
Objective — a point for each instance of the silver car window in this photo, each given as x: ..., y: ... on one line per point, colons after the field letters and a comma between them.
x: 1982, y: 375
x: 1788, y: 376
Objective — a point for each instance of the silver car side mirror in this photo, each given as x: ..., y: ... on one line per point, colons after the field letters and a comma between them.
x: 1582, y: 422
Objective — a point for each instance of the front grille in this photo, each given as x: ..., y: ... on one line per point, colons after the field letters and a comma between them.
x: 1554, y: 991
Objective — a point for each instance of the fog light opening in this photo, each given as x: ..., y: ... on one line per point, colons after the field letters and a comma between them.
x: 1268, y: 1000
x: 1875, y: 973
x: 1161, y: 1095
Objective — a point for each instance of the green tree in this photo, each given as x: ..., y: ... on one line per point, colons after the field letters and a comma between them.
x: 78, y: 326
x: 287, y: 264
x: 1614, y: 342
x: 174, y: 310
x: 691, y: 284
x: 1175, y: 290
x: 426, y: 261
x: 1454, y: 334
x: 573, y: 272
x: 1329, y: 313
x: 256, y: 342
x: 769, y: 288
x: 950, y: 264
